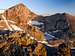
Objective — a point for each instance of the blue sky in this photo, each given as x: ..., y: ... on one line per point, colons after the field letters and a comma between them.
x: 43, y: 7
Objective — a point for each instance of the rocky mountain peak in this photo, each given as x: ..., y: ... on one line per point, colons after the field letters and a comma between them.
x: 17, y: 15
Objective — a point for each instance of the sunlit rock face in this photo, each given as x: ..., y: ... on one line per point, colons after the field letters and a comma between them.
x: 71, y: 20
x: 17, y: 15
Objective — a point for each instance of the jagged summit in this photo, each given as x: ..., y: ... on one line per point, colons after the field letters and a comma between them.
x: 16, y: 16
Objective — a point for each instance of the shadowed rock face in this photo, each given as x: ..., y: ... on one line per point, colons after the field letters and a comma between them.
x: 56, y: 25
x: 54, y: 22
x: 58, y: 21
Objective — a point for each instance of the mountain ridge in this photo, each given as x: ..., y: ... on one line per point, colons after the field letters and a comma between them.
x: 20, y: 14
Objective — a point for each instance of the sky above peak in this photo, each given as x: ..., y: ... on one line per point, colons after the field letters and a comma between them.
x: 43, y: 7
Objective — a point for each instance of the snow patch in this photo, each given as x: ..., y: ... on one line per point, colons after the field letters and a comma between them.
x: 16, y: 28
x: 5, y: 29
x: 8, y: 21
x: 4, y: 18
x: 2, y: 11
x: 11, y: 21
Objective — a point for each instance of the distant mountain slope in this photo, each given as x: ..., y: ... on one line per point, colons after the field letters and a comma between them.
x: 71, y: 20
x: 54, y: 22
